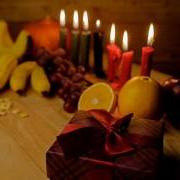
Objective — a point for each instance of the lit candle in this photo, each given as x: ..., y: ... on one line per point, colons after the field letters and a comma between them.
x: 98, y: 50
x: 126, y: 62
x: 147, y: 53
x: 75, y: 39
x: 63, y: 30
x: 114, y: 55
x: 85, y: 42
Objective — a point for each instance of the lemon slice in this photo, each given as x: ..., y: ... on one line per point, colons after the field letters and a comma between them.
x: 97, y: 96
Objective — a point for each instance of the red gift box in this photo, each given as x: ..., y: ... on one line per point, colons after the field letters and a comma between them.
x: 136, y: 158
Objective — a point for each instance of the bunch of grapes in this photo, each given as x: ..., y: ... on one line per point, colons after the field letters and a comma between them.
x: 67, y: 81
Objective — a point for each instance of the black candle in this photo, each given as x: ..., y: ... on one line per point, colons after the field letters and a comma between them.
x: 98, y: 50
x: 85, y: 42
x: 75, y: 39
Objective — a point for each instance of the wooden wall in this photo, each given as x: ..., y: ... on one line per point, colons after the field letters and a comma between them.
x: 133, y: 15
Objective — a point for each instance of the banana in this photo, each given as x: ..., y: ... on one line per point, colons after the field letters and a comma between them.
x: 5, y: 38
x: 7, y: 46
x: 21, y: 44
x: 39, y: 81
x: 20, y: 76
x: 7, y: 65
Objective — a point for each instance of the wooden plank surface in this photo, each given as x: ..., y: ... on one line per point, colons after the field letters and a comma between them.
x: 24, y: 141
x: 30, y: 137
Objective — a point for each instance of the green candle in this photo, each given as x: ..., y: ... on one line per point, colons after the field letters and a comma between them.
x: 75, y: 47
x: 63, y: 30
x: 75, y: 39
x: 63, y: 35
x: 85, y: 42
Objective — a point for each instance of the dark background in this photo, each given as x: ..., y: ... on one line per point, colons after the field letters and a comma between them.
x: 133, y: 15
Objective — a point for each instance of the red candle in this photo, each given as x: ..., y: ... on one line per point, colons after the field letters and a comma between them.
x: 114, y: 55
x: 147, y: 54
x: 126, y: 63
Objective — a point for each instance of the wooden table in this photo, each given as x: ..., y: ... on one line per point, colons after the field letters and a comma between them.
x: 24, y: 141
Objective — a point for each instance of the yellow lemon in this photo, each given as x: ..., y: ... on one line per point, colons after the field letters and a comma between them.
x: 141, y: 96
x: 97, y: 96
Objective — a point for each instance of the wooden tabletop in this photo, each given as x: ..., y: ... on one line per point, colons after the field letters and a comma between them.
x: 25, y: 141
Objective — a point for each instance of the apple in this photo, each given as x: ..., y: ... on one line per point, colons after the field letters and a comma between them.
x: 172, y: 100
x: 141, y: 96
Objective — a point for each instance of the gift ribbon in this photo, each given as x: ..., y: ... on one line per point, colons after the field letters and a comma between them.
x: 115, y: 131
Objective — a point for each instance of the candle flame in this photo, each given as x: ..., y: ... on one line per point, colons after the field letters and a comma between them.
x: 112, y: 34
x: 75, y: 20
x: 150, y: 35
x: 62, y: 18
x: 98, y: 23
x: 125, y: 41
x: 85, y: 21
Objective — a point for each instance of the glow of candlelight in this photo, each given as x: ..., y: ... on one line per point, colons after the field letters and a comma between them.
x: 62, y: 18
x: 112, y: 34
x: 150, y: 39
x: 98, y: 23
x: 85, y: 21
x: 75, y: 20
x: 125, y: 41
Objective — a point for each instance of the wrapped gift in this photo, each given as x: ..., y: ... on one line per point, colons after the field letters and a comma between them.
x: 94, y: 145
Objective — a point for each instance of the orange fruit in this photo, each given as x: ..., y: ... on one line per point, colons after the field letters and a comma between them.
x: 97, y: 96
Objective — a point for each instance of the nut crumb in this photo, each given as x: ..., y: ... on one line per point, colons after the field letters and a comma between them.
x: 5, y: 105
x: 3, y: 113
x: 15, y: 111
x: 23, y: 115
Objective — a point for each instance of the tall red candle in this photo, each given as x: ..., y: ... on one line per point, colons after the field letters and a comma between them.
x: 126, y: 63
x: 147, y: 54
x: 114, y: 55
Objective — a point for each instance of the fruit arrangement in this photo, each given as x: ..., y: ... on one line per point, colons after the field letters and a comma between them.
x: 51, y: 73
x: 67, y: 81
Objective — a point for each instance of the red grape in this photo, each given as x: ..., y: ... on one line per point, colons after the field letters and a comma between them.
x: 77, y: 77
x: 60, y: 92
x: 58, y: 61
x: 62, y: 69
x: 69, y: 107
x: 81, y: 69
x: 59, y: 52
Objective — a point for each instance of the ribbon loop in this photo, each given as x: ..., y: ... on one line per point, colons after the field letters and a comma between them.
x: 105, y: 132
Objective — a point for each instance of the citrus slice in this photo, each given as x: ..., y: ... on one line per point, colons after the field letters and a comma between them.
x: 97, y: 96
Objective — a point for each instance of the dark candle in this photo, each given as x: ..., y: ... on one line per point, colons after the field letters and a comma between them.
x: 98, y: 37
x: 114, y: 55
x: 85, y: 42
x: 147, y: 54
x: 126, y: 63
x: 75, y: 39
x: 63, y: 29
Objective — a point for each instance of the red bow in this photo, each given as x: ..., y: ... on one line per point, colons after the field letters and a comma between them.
x: 93, y: 129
